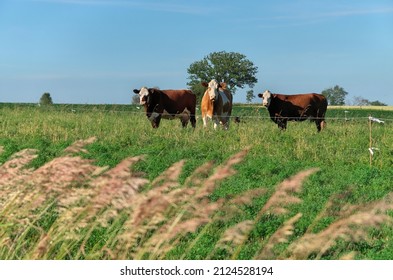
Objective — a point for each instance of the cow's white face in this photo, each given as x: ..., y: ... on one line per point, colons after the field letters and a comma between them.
x: 266, y: 98
x: 212, y: 89
x: 143, y: 95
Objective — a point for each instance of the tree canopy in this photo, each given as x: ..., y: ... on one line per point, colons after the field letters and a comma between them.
x: 230, y: 67
x: 335, y: 95
x: 46, y: 99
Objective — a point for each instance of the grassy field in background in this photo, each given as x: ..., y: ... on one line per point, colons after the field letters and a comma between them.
x: 229, y: 199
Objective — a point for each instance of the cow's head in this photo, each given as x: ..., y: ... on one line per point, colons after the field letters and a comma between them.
x: 149, y: 98
x: 266, y: 98
x: 144, y: 95
x: 212, y: 89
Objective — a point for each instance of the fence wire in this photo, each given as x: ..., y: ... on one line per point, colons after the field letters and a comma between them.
x: 139, y: 110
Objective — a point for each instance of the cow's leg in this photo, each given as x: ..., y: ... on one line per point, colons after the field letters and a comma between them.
x: 225, y: 123
x: 320, y: 124
x: 216, y: 123
x: 204, y: 118
x: 156, y: 121
x: 184, y: 118
x: 184, y: 122
x: 282, y: 123
x: 193, y: 120
x: 323, y: 124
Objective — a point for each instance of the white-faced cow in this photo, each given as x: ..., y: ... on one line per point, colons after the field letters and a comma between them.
x: 168, y: 104
x: 298, y: 107
x: 216, y: 104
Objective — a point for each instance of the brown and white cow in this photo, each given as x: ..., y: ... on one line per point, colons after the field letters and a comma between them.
x: 216, y: 104
x: 298, y: 107
x: 168, y: 104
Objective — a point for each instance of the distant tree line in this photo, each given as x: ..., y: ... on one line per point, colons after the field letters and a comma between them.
x: 360, y: 101
x: 336, y: 96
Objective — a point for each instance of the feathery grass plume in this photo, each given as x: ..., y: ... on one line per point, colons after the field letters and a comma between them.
x: 349, y: 256
x: 199, y: 175
x: 170, y: 177
x: 234, y: 206
x: 235, y: 236
x: 13, y: 170
x: 108, y: 196
x: 103, y: 198
x: 246, y: 197
x: 41, y: 247
x: 13, y: 178
x: 63, y: 172
x: 222, y: 172
x: 53, y: 178
x: 116, y: 190
x: 56, y: 179
x: 185, y: 208
x: 78, y: 146
x: 64, y: 176
x: 352, y: 228
x: 280, y: 236
x: 160, y: 197
x: 197, y: 210
x: 276, y: 204
x: 148, y: 209
x: 284, y: 193
x: 36, y: 192
x: 336, y: 206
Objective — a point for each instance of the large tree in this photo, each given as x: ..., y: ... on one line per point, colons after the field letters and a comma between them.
x: 335, y: 95
x: 230, y: 67
x: 46, y: 99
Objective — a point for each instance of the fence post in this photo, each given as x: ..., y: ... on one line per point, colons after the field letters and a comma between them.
x: 371, y: 140
x: 371, y: 148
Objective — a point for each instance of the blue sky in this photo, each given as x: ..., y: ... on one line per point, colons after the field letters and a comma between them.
x: 86, y: 51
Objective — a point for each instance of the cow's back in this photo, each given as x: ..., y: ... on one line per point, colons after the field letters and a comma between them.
x: 311, y: 102
x: 179, y: 100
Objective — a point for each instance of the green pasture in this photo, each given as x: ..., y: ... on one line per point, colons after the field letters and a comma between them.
x: 346, y: 176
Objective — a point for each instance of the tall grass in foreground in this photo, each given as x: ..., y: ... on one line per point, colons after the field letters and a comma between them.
x: 69, y: 208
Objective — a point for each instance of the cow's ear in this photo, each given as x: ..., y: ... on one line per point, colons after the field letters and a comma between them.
x: 204, y: 84
x: 260, y: 95
x: 223, y: 85
x: 151, y: 90
x: 136, y: 91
